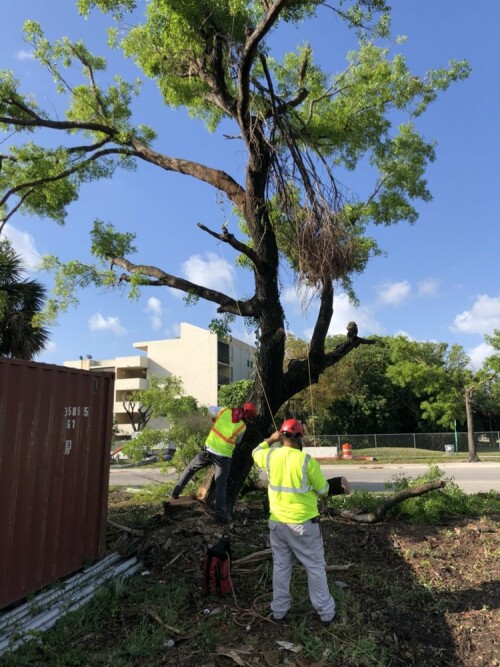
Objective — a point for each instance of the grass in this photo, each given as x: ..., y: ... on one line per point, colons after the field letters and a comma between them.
x: 395, y: 606
x: 415, y: 455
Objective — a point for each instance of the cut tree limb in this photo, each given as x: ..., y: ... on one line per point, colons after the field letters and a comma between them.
x: 126, y: 529
x: 266, y: 554
x: 379, y: 513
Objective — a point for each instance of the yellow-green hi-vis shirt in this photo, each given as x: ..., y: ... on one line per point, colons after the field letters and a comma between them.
x: 224, y: 433
x: 295, y: 481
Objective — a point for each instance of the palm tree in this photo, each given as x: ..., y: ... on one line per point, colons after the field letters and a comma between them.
x: 20, y: 301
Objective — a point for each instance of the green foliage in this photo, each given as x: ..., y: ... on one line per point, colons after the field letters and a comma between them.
x: 189, y: 423
x: 21, y: 301
x: 221, y: 326
x: 145, y: 441
x: 106, y: 242
x: 434, y: 506
x: 437, y: 374
x: 300, y: 124
x: 490, y: 370
x: 361, y: 500
x: 68, y: 278
x: 189, y: 434
x: 234, y: 394
x: 165, y: 396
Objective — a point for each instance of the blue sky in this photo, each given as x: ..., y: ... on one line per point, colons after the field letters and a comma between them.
x: 439, y: 278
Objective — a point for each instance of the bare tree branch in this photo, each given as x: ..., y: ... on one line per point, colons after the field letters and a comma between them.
x: 227, y: 304
x: 228, y: 238
x: 250, y: 49
x: 217, y: 178
x: 38, y: 121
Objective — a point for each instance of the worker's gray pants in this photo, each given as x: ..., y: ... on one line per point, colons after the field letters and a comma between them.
x: 305, y: 542
x: 222, y: 467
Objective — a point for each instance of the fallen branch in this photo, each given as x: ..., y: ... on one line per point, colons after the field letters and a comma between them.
x: 157, y: 618
x: 252, y: 558
x: 379, y: 513
x: 126, y: 529
x: 266, y: 554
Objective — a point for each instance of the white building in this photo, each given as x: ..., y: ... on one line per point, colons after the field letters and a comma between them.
x: 196, y: 356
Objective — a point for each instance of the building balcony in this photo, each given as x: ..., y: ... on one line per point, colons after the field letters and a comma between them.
x: 131, y: 384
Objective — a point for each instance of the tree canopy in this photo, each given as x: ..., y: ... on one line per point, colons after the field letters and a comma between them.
x: 303, y: 131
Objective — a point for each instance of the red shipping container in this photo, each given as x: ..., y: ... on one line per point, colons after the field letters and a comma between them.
x: 55, y: 440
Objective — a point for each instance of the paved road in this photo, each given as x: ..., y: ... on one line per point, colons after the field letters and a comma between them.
x: 471, y: 477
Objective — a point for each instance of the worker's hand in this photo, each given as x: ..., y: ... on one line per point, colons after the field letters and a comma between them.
x: 322, y: 504
x: 274, y: 437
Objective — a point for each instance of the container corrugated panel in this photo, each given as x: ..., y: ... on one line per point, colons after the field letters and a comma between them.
x: 55, y: 438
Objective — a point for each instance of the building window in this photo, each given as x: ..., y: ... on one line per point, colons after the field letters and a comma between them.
x: 223, y: 352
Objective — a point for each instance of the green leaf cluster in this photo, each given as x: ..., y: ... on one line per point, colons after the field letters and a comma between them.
x: 436, y: 373
x: 21, y: 300
x: 234, y: 394
x: 441, y: 504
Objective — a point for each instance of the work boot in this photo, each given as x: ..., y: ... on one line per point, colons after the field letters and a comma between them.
x: 175, y: 492
x: 221, y: 517
x: 326, y: 624
x: 279, y: 621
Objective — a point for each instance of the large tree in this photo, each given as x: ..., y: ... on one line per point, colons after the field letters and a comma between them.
x: 448, y: 389
x: 21, y: 300
x: 302, y: 131
x: 484, y: 381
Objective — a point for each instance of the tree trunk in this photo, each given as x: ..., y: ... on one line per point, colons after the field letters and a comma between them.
x: 471, y: 439
x: 271, y: 390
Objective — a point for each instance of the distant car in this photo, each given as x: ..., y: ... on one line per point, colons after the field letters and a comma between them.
x: 149, y: 458
x: 167, y: 454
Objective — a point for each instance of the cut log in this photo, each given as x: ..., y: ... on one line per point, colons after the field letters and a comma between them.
x: 379, y: 513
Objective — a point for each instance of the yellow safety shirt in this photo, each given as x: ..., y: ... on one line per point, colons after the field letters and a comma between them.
x: 224, y: 434
x: 295, y: 481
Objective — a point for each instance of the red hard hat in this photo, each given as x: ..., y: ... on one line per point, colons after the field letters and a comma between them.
x: 291, y: 427
x: 249, y: 410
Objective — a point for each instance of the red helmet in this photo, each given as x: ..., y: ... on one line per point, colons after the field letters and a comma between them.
x: 249, y: 411
x: 291, y: 427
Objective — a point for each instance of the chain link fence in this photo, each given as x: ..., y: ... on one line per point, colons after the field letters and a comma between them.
x: 487, y: 441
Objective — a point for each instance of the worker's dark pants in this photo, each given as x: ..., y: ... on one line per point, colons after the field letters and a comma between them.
x: 222, y: 467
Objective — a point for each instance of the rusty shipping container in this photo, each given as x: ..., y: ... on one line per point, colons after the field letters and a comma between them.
x: 55, y: 438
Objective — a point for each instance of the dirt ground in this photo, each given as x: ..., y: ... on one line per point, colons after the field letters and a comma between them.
x: 407, y: 595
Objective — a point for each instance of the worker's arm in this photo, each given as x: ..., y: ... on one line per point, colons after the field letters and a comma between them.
x: 316, y: 478
x: 260, y: 452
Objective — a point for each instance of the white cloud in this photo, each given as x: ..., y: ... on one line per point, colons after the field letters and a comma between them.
x: 174, y: 331
x: 24, y: 55
x: 482, y: 318
x: 478, y: 354
x: 245, y: 336
x: 154, y: 308
x: 50, y: 347
x: 48, y: 351
x: 24, y: 245
x: 99, y: 323
x: 210, y: 271
x: 344, y: 312
x: 394, y: 293
x: 405, y: 334
x: 428, y: 287
x: 300, y: 298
